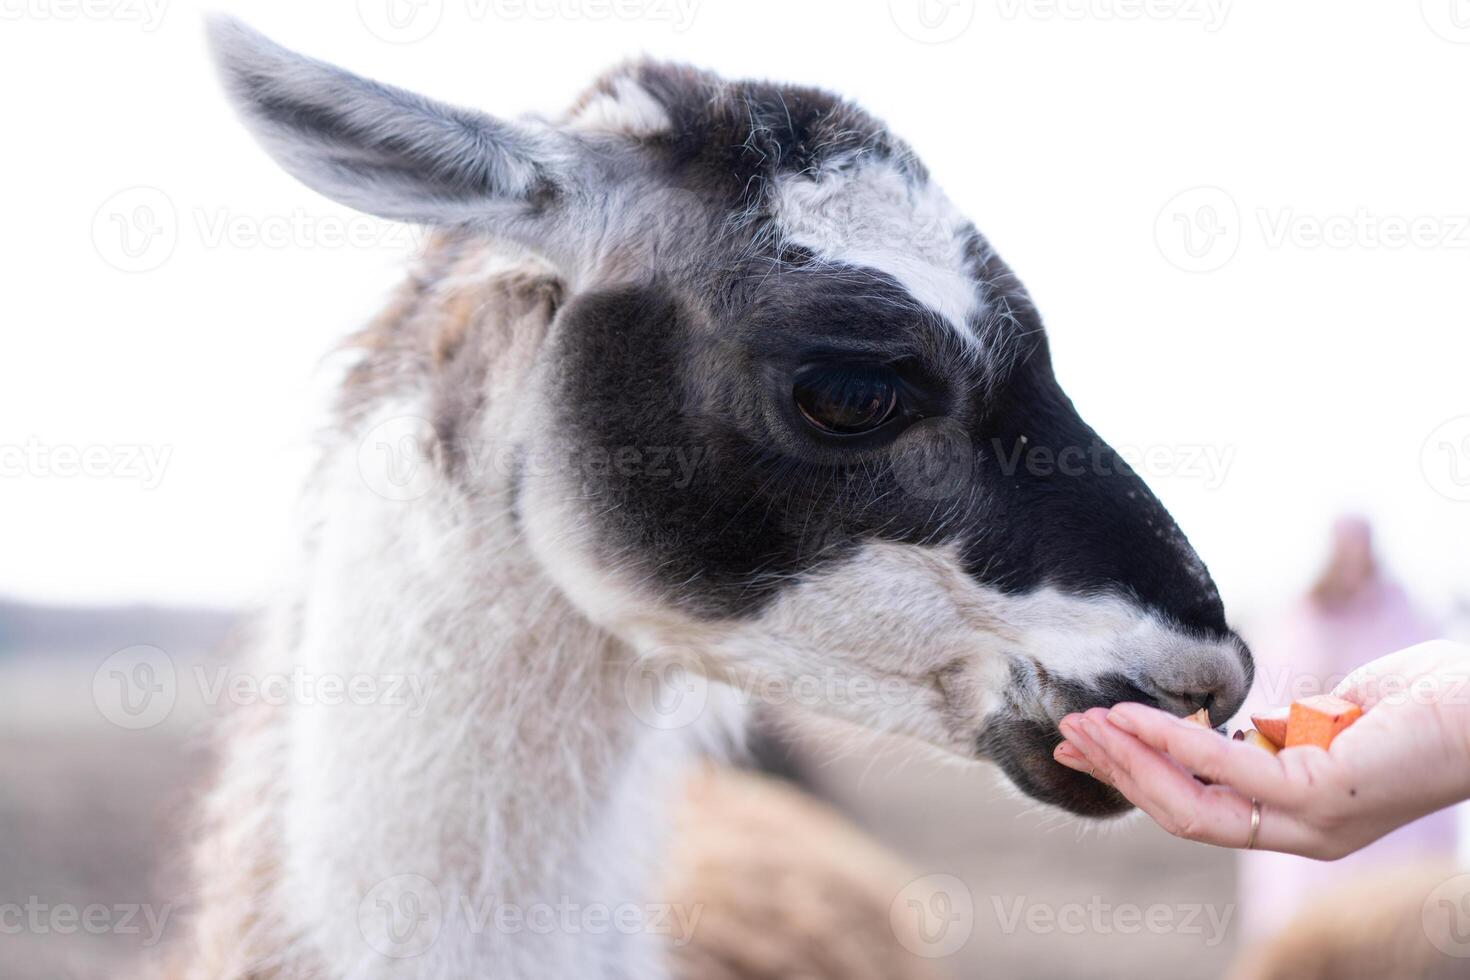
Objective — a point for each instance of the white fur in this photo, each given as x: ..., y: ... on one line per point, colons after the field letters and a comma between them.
x: 873, y: 214
x: 527, y: 781
x: 535, y: 777
x: 897, y: 638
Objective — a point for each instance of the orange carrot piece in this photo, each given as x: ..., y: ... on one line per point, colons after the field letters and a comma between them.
x: 1272, y: 724
x: 1317, y: 720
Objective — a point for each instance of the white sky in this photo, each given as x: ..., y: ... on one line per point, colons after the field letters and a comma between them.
x: 1065, y: 128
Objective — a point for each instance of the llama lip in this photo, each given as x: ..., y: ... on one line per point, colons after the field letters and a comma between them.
x: 1023, y: 736
x: 1023, y: 750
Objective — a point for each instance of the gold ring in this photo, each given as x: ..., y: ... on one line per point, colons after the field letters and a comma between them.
x: 1250, y: 841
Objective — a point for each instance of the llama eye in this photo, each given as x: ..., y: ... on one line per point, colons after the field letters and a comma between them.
x: 845, y: 400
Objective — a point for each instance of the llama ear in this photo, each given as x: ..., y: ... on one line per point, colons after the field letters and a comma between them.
x: 387, y: 151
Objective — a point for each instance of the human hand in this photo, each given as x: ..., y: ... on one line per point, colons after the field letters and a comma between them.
x: 1408, y: 756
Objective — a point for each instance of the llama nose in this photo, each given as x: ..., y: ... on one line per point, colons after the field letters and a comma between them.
x: 1218, y: 683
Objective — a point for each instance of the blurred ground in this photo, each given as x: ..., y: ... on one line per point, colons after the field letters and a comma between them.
x: 1051, y: 897
x: 94, y: 815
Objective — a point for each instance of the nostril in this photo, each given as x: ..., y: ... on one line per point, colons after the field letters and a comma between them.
x: 1221, y: 701
x: 1188, y: 702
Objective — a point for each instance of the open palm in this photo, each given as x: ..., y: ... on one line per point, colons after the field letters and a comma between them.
x: 1408, y: 756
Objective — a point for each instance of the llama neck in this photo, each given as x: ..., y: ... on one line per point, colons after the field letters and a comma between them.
x: 508, y: 798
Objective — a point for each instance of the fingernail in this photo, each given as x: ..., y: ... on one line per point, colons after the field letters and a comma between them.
x: 1122, y: 718
x: 1072, y: 762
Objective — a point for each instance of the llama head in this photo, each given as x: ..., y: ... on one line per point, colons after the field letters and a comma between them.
x: 793, y: 421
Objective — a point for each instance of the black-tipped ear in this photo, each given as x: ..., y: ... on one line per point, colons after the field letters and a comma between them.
x: 387, y: 151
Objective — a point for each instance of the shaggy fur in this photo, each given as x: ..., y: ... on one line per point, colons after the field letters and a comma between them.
x: 572, y: 496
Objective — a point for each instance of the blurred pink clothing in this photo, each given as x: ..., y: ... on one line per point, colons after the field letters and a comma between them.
x: 1353, y: 615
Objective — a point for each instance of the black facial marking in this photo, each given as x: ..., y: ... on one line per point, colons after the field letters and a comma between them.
x: 1034, y: 496
x: 712, y: 350
x: 653, y: 366
x: 767, y: 500
x: 1066, y: 510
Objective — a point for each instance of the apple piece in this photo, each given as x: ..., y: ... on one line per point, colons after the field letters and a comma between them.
x: 1260, y: 741
x: 1200, y: 718
x: 1272, y: 724
x: 1317, y: 720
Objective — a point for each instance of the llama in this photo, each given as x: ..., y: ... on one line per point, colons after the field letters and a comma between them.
x: 701, y: 394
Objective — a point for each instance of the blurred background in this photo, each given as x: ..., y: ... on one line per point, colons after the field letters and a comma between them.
x: 1247, y: 225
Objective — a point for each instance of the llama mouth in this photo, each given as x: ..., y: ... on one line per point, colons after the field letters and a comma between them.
x: 1023, y: 747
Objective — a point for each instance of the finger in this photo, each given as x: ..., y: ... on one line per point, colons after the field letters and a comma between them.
x: 1084, y: 750
x: 1066, y: 754
x: 1428, y: 670
x: 1205, y: 753
x: 1182, y: 805
x: 1159, y: 787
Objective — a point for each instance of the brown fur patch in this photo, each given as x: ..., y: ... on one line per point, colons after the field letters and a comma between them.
x: 1371, y: 929
x: 445, y: 329
x: 785, y: 887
